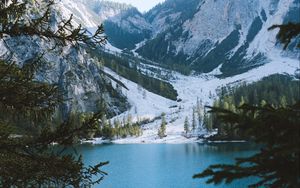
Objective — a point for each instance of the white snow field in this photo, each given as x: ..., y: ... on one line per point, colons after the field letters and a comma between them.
x: 149, y: 105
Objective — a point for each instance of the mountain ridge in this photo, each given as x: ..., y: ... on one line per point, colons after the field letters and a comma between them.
x: 178, y: 33
x: 83, y: 77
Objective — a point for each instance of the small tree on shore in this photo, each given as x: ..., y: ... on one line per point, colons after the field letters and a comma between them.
x: 194, y: 123
x: 163, y: 126
x: 186, y: 126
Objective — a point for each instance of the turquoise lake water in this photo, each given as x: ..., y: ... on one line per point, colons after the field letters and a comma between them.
x: 163, y: 165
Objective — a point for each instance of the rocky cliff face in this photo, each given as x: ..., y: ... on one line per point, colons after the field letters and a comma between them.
x: 127, y: 29
x: 231, y: 35
x: 228, y: 35
x: 90, y: 13
x: 79, y: 77
x: 124, y: 25
x: 81, y: 80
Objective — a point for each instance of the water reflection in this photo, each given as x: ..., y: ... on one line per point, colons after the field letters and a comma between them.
x: 197, y: 148
x: 163, y: 165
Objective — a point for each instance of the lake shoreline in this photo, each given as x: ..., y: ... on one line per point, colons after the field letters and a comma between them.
x: 100, y: 141
x: 153, y: 165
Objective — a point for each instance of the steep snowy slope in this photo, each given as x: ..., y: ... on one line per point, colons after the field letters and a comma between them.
x: 124, y: 25
x: 201, y: 35
x: 146, y: 105
x: 82, y: 13
x: 127, y: 29
x: 206, y: 34
x: 226, y: 40
x: 90, y: 13
x: 80, y: 78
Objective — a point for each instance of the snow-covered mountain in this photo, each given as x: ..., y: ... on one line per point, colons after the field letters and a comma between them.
x: 90, y: 13
x: 80, y: 78
x: 127, y: 29
x: 218, y: 38
x: 226, y: 40
x: 231, y: 35
x: 124, y: 25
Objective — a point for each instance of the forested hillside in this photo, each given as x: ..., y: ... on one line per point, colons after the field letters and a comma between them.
x: 276, y: 90
x: 127, y: 68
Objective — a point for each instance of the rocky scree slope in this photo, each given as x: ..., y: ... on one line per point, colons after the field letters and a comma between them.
x: 204, y: 35
x: 81, y: 80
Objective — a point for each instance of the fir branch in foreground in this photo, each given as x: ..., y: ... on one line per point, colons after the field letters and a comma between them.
x: 287, y: 32
x: 277, y: 163
x: 16, y: 20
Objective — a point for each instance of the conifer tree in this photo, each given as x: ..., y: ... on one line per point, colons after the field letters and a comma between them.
x: 29, y: 160
x: 263, y: 103
x: 277, y: 164
x: 186, y: 126
x: 163, y: 126
x: 207, y: 122
x: 283, y: 102
x: 242, y: 101
x: 194, y: 124
x: 226, y: 105
x: 199, y: 113
x: 278, y: 129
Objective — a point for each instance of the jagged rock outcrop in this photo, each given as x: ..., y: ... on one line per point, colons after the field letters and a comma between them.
x: 204, y: 35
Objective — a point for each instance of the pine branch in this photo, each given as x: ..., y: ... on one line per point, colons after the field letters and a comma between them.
x: 287, y: 32
x: 13, y: 25
x: 277, y: 163
x: 29, y: 160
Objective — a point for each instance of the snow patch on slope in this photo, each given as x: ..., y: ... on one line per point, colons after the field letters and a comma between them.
x: 81, y: 13
x: 144, y: 103
x: 111, y: 49
x: 266, y: 40
x: 189, y: 89
x: 229, y: 14
x: 137, y: 21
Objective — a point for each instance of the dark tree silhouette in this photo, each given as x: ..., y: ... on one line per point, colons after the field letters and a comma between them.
x: 30, y: 160
x: 287, y: 32
x: 277, y: 129
x: 277, y: 163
